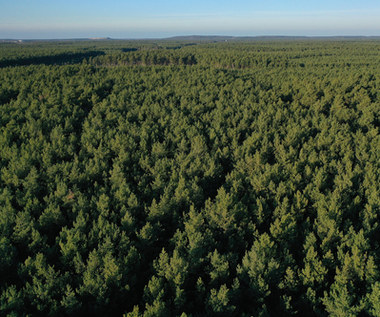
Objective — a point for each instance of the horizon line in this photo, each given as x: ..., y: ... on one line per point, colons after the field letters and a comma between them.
x: 103, y: 38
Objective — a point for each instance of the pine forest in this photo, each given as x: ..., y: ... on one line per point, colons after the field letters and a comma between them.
x: 190, y: 178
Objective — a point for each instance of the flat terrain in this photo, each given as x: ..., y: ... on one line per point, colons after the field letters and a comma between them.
x: 190, y: 177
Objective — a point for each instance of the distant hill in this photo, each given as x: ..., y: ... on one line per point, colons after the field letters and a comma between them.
x: 221, y: 38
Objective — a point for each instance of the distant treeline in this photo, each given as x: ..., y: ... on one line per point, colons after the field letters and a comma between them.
x: 238, y: 55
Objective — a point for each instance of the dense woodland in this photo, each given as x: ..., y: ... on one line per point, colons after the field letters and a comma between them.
x: 190, y: 179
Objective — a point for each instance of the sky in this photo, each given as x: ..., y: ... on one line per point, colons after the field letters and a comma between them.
x: 52, y: 19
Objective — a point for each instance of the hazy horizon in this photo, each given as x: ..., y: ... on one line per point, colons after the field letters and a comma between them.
x: 41, y: 19
x: 184, y: 36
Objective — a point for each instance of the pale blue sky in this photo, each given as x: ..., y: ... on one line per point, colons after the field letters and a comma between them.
x: 148, y: 18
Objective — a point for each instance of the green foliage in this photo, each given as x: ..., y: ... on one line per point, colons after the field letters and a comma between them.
x: 153, y: 178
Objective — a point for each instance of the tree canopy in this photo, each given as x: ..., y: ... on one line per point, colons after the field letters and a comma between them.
x: 167, y: 179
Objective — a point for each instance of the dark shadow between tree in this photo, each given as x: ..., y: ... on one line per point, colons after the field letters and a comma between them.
x: 59, y: 59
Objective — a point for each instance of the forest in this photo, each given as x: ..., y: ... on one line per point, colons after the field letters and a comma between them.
x: 177, y: 178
